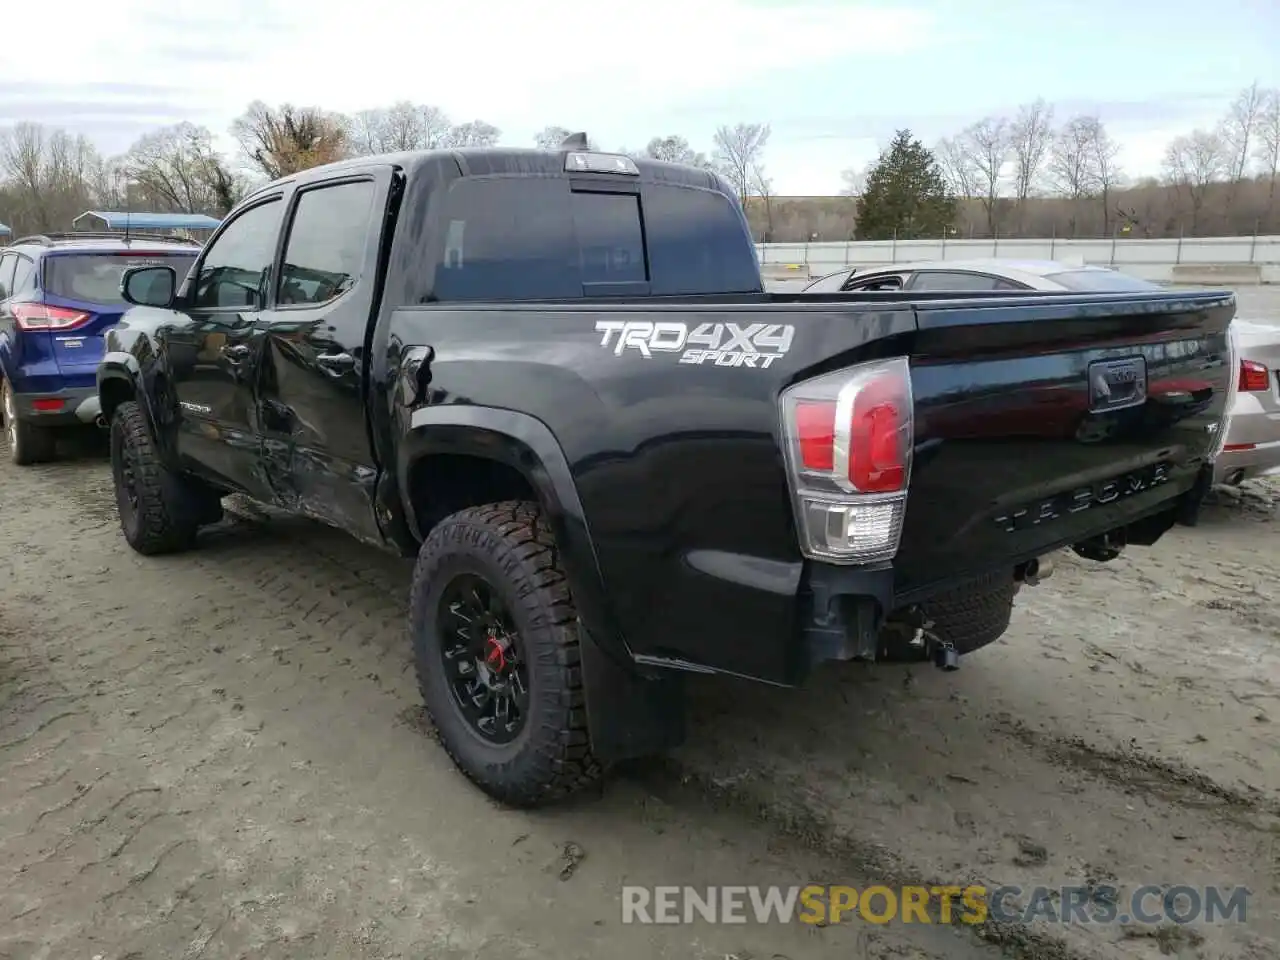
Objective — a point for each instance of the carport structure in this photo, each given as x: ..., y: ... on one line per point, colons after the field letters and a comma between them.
x: 4, y: 231
x: 124, y: 222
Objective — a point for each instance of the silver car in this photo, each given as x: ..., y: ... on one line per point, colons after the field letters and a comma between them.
x: 1251, y: 447
x: 1251, y: 444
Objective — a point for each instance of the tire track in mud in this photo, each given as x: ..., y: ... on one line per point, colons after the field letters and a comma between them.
x: 332, y: 597
x: 249, y: 627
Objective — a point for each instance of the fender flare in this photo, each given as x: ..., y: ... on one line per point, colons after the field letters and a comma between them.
x: 526, y: 444
x: 118, y: 366
x: 630, y: 712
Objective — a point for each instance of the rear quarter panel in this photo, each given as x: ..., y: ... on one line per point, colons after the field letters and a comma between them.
x: 677, y: 465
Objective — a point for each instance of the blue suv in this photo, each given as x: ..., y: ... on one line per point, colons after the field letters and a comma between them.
x: 58, y: 295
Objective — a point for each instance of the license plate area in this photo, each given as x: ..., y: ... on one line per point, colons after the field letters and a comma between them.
x: 1117, y: 384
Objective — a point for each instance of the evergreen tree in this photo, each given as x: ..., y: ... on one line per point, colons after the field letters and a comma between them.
x: 905, y: 192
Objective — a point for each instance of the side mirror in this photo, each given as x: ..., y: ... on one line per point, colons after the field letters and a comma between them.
x: 149, y: 286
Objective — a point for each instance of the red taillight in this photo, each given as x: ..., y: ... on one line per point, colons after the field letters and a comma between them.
x: 41, y: 316
x: 47, y: 404
x: 877, y: 456
x: 849, y: 438
x: 1254, y: 377
x: 816, y: 434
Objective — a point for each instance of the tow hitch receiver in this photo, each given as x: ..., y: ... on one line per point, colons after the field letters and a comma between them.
x: 942, y: 652
x: 945, y: 656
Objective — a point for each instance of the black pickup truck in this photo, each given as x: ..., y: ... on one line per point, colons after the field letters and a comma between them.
x: 555, y: 378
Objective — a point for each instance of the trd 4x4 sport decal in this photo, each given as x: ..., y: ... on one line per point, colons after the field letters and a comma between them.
x: 754, y: 345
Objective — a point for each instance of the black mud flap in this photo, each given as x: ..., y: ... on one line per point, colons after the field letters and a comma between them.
x: 1189, y: 509
x: 629, y: 715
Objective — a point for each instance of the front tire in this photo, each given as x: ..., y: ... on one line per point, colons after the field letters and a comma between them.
x: 495, y: 637
x: 157, y: 512
x: 28, y: 443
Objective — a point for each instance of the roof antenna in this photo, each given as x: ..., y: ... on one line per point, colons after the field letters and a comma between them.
x: 575, y: 141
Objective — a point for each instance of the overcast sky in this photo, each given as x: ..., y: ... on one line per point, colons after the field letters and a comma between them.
x: 833, y: 77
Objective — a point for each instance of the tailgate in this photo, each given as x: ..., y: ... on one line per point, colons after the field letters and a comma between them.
x: 78, y: 351
x: 1043, y: 421
x: 87, y: 282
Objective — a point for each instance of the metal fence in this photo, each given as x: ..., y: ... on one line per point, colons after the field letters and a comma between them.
x: 1188, y: 260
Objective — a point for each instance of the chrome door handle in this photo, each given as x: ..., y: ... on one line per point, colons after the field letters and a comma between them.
x: 335, y: 363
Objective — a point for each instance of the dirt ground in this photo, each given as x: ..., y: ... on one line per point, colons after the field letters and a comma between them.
x: 221, y: 755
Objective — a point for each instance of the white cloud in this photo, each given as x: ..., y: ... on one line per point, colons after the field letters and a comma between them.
x: 622, y: 71
x: 516, y: 65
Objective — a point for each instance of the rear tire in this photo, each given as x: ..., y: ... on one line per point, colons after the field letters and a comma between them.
x: 509, y: 550
x: 28, y: 443
x: 159, y: 511
x: 970, y: 616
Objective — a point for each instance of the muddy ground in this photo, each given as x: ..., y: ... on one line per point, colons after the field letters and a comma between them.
x: 221, y: 755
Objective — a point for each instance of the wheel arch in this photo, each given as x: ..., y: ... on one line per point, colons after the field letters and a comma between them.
x: 453, y: 457
x: 118, y: 375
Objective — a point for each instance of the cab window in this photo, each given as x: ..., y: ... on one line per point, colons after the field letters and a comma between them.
x: 237, y: 266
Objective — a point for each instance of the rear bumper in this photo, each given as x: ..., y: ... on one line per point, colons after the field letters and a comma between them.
x: 1251, y: 447
x: 1259, y: 460
x: 846, y: 607
x: 79, y: 405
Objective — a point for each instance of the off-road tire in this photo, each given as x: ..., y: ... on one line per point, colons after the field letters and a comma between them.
x: 169, y: 509
x: 28, y: 443
x: 511, y: 546
x: 970, y: 616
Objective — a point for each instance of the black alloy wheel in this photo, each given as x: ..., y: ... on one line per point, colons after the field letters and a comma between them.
x: 483, y: 660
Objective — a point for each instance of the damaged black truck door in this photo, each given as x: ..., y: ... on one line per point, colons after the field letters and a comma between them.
x: 311, y: 344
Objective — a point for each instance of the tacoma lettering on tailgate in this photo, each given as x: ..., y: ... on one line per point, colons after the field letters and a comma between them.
x: 1074, y: 501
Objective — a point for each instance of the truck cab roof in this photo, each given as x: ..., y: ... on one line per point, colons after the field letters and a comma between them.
x: 489, y: 161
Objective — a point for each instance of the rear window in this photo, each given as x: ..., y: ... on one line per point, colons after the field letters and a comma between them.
x: 523, y: 238
x: 95, y: 277
x: 1100, y: 280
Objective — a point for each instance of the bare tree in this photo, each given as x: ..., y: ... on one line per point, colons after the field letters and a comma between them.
x: 762, y: 187
x: 957, y: 166
x: 1267, y: 150
x: 1238, y: 133
x: 1072, y: 165
x: 1192, y: 163
x: 1240, y: 128
x: 988, y: 144
x: 1031, y: 135
x: 550, y: 138
x: 365, y: 132
x: 739, y: 155
x: 50, y: 175
x: 675, y: 149
x: 285, y: 139
x: 1106, y: 166
x: 22, y: 153
x: 414, y: 126
x: 474, y: 133
x: 178, y: 169
x: 855, y: 181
